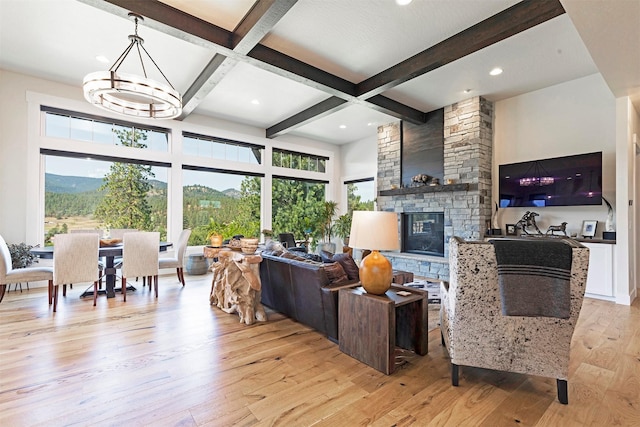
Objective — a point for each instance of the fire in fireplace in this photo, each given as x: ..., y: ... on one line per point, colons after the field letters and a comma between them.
x: 423, y: 233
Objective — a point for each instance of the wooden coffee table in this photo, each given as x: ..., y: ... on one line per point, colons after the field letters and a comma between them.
x: 371, y: 326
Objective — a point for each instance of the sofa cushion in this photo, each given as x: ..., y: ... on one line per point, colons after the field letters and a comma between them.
x: 346, y: 261
x: 335, y: 273
x: 291, y: 255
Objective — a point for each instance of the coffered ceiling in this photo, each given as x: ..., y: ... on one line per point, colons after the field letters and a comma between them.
x: 331, y: 70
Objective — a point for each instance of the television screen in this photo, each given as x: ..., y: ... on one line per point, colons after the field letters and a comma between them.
x: 561, y: 181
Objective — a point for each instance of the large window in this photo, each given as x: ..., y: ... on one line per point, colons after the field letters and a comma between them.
x: 83, y: 193
x: 89, y: 187
x: 296, y: 205
x: 360, y: 195
x: 227, y: 201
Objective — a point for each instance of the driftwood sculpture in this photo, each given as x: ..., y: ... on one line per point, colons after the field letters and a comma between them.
x: 528, y: 220
x: 235, y: 287
x: 562, y: 228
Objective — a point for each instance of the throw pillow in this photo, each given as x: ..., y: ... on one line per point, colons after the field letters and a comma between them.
x: 326, y: 256
x: 335, y: 273
x: 346, y: 261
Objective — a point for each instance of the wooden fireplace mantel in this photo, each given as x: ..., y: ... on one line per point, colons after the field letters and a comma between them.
x: 428, y: 189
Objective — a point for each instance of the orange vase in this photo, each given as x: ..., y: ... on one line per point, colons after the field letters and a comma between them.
x: 216, y: 240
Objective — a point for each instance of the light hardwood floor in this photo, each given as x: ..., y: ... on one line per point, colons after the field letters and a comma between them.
x: 177, y: 361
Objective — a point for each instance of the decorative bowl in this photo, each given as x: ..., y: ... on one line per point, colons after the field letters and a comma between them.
x: 249, y: 245
x: 109, y: 242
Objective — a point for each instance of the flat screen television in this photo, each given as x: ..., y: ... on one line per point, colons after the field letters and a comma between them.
x: 560, y: 181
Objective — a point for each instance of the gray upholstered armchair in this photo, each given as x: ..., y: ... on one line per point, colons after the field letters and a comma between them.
x: 477, y: 333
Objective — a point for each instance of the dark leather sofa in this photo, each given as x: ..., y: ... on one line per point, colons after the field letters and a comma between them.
x: 301, y: 290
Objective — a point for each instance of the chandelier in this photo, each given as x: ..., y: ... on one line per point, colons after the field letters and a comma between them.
x: 130, y: 94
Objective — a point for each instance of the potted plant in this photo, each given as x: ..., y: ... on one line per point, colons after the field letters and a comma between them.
x: 325, y: 226
x: 268, y: 234
x: 214, y: 232
x: 343, y: 227
x: 21, y: 255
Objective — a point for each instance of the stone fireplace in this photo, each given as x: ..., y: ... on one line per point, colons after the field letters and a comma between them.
x: 464, y: 199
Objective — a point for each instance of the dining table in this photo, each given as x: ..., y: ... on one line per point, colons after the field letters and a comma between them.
x: 109, y: 253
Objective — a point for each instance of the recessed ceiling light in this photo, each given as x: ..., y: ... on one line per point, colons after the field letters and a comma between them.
x: 496, y: 71
x: 403, y: 2
x: 369, y: 124
x: 255, y: 102
x: 103, y: 59
x: 343, y: 126
x: 467, y: 91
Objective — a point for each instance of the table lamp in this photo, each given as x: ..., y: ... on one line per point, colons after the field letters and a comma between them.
x: 375, y: 230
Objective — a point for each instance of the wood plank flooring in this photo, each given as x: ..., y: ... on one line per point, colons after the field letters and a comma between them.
x: 177, y: 361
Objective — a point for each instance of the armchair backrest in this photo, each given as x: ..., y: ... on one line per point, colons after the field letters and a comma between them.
x: 5, y: 259
x: 140, y: 254
x: 478, y: 334
x: 287, y: 240
x: 181, y: 246
x: 75, y: 258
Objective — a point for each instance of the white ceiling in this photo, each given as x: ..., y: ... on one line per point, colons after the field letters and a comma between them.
x: 353, y: 39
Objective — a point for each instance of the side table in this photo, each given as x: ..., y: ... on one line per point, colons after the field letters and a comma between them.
x: 236, y: 286
x: 370, y: 326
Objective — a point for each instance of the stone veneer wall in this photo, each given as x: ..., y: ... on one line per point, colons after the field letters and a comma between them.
x: 468, y: 140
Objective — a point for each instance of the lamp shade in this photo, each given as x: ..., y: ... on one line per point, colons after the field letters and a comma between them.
x: 374, y: 230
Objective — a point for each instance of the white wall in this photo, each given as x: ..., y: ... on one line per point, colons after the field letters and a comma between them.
x: 13, y: 148
x: 359, y: 160
x: 570, y: 118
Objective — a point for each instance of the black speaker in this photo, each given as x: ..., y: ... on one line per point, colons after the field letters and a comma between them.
x: 609, y: 235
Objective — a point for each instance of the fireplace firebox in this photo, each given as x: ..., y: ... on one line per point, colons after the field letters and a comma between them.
x: 423, y: 233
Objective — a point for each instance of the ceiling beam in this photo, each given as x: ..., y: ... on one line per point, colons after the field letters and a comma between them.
x: 169, y: 20
x: 208, y: 79
x: 243, y: 45
x: 255, y: 25
x: 291, y: 68
x: 511, y: 21
x: 334, y: 104
x: 186, y: 27
x: 258, y: 22
x: 519, y: 17
x: 324, y: 108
